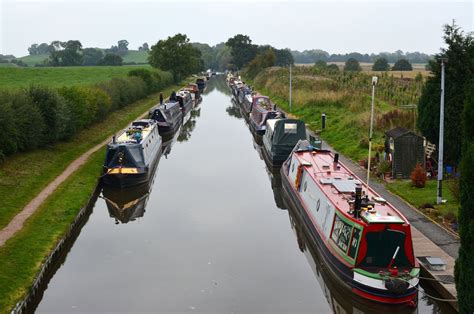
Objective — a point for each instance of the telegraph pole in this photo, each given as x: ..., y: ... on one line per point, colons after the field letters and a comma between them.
x: 291, y: 86
x: 374, y: 82
x: 439, y: 198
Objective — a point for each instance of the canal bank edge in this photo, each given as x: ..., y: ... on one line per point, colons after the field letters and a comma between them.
x: 68, y: 231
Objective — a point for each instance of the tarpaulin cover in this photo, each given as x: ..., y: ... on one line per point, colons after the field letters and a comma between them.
x: 286, y: 133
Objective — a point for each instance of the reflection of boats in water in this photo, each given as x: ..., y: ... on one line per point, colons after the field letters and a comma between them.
x: 188, y: 127
x: 274, y: 176
x: 363, y: 239
x: 128, y: 204
x: 234, y: 110
x: 339, y: 300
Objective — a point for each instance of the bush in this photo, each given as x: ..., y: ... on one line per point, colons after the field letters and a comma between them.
x: 418, y: 176
x: 381, y: 64
x: 352, y: 65
x: 55, y: 112
x: 402, y: 65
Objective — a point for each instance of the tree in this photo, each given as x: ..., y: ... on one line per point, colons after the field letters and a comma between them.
x: 92, y: 56
x: 352, y: 65
x: 111, y: 59
x: 283, y: 57
x: 261, y: 61
x: 144, y: 47
x: 381, y: 64
x: 65, y: 53
x: 242, y: 50
x: 402, y: 65
x: 458, y: 68
x: 176, y: 54
x: 465, y: 262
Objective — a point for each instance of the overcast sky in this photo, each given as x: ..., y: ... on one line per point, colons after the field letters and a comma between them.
x: 334, y: 26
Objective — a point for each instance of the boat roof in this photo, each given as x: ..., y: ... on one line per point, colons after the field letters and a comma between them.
x: 271, y: 124
x: 338, y: 182
x: 143, y: 126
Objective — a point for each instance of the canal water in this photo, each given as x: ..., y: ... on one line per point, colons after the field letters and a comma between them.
x: 210, y: 234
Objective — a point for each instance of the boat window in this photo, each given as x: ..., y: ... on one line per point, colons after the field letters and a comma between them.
x: 354, y: 243
x: 305, y: 185
x: 341, y: 233
x: 290, y: 128
x: 381, y: 246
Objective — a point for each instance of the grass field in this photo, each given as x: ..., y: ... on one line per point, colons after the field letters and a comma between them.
x: 131, y: 56
x: 27, y: 174
x: 62, y: 76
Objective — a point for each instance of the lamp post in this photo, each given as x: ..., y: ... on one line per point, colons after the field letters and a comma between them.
x: 374, y: 82
x: 439, y: 198
x: 291, y: 87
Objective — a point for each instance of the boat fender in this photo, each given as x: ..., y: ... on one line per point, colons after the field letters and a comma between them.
x: 396, y: 285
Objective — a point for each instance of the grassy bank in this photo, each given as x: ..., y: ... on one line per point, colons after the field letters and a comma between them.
x: 21, y: 256
x: 62, y: 76
x: 28, y: 173
x: 425, y: 198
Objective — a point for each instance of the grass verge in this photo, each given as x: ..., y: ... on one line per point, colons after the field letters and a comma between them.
x: 21, y: 256
x: 425, y: 198
x: 23, y: 176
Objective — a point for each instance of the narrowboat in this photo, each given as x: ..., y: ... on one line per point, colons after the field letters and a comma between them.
x: 201, y: 83
x: 132, y: 154
x: 364, y: 240
x: 281, y: 136
x: 195, y: 94
x: 169, y: 117
x: 262, y: 110
x: 247, y: 102
x: 185, y: 101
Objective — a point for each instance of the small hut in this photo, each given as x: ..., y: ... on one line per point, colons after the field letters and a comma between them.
x: 404, y: 148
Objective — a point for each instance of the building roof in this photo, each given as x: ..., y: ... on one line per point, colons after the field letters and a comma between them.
x: 399, y: 131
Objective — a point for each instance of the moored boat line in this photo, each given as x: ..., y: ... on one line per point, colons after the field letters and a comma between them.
x: 363, y: 239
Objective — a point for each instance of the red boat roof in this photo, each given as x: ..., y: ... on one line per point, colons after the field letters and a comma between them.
x: 337, y: 182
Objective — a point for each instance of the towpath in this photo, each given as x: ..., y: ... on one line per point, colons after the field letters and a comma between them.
x: 16, y: 224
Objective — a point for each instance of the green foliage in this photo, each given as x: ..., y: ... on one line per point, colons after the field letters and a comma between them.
x: 402, y: 65
x: 381, y: 64
x: 66, y: 53
x: 262, y: 60
x: 465, y: 261
x: 321, y: 64
x: 242, y: 50
x: 333, y: 68
x: 176, y: 54
x: 459, y: 52
x: 92, y: 56
x: 111, y: 59
x: 40, y: 115
x: 352, y: 65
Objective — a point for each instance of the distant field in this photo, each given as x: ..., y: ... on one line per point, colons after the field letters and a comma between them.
x: 61, y: 76
x: 136, y: 56
x: 367, y: 67
x: 131, y: 56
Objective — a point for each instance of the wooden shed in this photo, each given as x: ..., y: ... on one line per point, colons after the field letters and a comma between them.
x: 405, y: 149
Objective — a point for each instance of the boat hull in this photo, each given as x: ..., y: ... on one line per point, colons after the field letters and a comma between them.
x: 340, y: 270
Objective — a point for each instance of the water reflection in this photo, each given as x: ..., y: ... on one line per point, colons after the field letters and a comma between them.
x: 234, y: 110
x: 189, y: 125
x: 217, y: 82
x: 128, y: 204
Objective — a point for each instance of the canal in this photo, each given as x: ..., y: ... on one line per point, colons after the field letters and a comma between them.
x: 210, y: 234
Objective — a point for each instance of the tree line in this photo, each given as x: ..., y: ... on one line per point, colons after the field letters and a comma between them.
x: 37, y: 116
x: 314, y: 55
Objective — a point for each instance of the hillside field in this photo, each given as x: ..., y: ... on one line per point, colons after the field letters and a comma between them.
x: 131, y: 56
x: 12, y: 77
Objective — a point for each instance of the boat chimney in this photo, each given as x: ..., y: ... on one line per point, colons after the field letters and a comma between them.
x: 113, y: 139
x: 358, y: 201
x: 336, y: 158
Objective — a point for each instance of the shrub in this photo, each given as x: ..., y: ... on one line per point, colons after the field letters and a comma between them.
x: 402, y: 65
x: 352, y: 65
x: 418, y: 176
x: 55, y: 112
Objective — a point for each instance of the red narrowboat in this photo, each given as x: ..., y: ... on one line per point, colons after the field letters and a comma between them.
x: 364, y: 240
